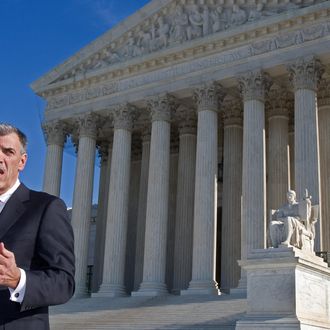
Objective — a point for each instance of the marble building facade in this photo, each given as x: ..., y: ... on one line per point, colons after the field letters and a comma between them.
x: 204, y: 113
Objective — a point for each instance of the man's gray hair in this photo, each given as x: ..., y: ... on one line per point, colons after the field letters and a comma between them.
x: 6, y: 129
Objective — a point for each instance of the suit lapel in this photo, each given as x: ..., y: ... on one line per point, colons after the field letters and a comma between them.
x: 13, y: 209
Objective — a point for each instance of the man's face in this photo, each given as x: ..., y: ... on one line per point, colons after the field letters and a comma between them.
x: 12, y: 161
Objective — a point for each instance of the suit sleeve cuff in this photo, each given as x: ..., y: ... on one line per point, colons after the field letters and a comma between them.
x: 17, y: 295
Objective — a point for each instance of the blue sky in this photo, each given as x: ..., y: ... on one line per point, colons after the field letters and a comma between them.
x: 36, y: 36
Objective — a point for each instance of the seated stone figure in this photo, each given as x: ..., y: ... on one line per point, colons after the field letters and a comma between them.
x: 294, y: 223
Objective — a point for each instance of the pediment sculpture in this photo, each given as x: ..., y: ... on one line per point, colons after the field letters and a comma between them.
x: 293, y: 224
x: 178, y: 24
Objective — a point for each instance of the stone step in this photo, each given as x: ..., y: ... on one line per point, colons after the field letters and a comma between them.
x: 167, y: 312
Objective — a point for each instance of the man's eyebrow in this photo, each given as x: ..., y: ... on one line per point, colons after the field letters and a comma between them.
x: 8, y: 149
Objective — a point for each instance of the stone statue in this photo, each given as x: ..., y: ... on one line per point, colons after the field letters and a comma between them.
x: 293, y: 224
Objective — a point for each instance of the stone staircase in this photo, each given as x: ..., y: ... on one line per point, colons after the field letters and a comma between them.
x: 144, y: 313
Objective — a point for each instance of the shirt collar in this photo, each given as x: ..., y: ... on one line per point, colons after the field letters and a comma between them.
x: 4, y: 197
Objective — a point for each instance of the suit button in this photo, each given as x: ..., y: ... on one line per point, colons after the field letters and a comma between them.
x: 16, y: 295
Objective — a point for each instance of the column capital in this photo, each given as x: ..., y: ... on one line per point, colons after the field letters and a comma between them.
x: 124, y: 116
x: 87, y: 125
x: 323, y: 94
x: 208, y: 96
x: 254, y: 85
x: 279, y: 102
x: 187, y: 120
x: 306, y: 73
x: 161, y: 107
x: 55, y: 132
x: 232, y: 113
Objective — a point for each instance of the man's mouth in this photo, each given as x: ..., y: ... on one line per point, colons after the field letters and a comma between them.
x: 2, y: 171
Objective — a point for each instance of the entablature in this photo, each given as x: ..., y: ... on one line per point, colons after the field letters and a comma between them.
x: 193, y: 30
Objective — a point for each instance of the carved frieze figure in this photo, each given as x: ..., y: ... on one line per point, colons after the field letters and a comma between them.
x: 161, y: 33
x: 219, y: 21
x: 144, y: 42
x: 179, y: 26
x: 195, y: 27
x: 131, y: 49
x: 256, y: 13
x: 238, y: 16
x: 293, y: 224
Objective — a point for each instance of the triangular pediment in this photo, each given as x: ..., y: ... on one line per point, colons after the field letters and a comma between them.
x: 162, y: 25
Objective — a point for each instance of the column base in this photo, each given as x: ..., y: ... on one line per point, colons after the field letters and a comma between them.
x: 80, y: 293
x: 287, y: 288
x: 241, y: 289
x: 151, y: 289
x: 110, y: 290
x: 281, y: 322
x: 201, y: 288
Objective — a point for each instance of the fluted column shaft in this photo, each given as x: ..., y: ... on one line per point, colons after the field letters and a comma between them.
x: 305, y: 75
x: 82, y: 199
x: 117, y: 213
x: 278, y: 163
x: 154, y: 267
x: 278, y: 152
x: 105, y: 151
x: 173, y: 179
x: 132, y: 215
x: 291, y: 154
x: 231, y: 199
x: 205, y: 201
x: 253, y: 86
x: 324, y: 131
x: 253, y: 204
x: 142, y: 208
x: 55, y: 137
x: 185, y: 202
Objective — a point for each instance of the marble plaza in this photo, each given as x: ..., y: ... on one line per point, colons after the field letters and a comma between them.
x: 204, y: 114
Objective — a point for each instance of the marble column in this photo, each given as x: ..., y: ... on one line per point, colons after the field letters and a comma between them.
x: 105, y: 149
x: 291, y: 146
x: 278, y: 147
x: 324, y: 131
x: 117, y: 213
x: 253, y: 86
x: 154, y: 267
x: 133, y: 213
x: 55, y: 136
x: 82, y: 198
x: 231, y: 199
x: 205, y: 201
x: 142, y: 208
x: 174, y: 160
x: 305, y: 75
x: 185, y: 199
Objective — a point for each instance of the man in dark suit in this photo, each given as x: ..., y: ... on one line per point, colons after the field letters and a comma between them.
x: 36, y: 244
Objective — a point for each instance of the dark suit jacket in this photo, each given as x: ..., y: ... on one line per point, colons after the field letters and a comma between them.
x: 35, y: 227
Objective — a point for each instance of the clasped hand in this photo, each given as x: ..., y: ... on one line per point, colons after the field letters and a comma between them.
x: 9, y: 272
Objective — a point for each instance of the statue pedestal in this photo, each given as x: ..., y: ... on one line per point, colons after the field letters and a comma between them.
x: 286, y: 289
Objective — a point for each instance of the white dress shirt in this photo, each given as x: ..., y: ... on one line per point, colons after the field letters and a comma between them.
x: 16, y: 295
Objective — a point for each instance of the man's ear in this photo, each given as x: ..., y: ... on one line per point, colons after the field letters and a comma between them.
x: 22, y: 162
